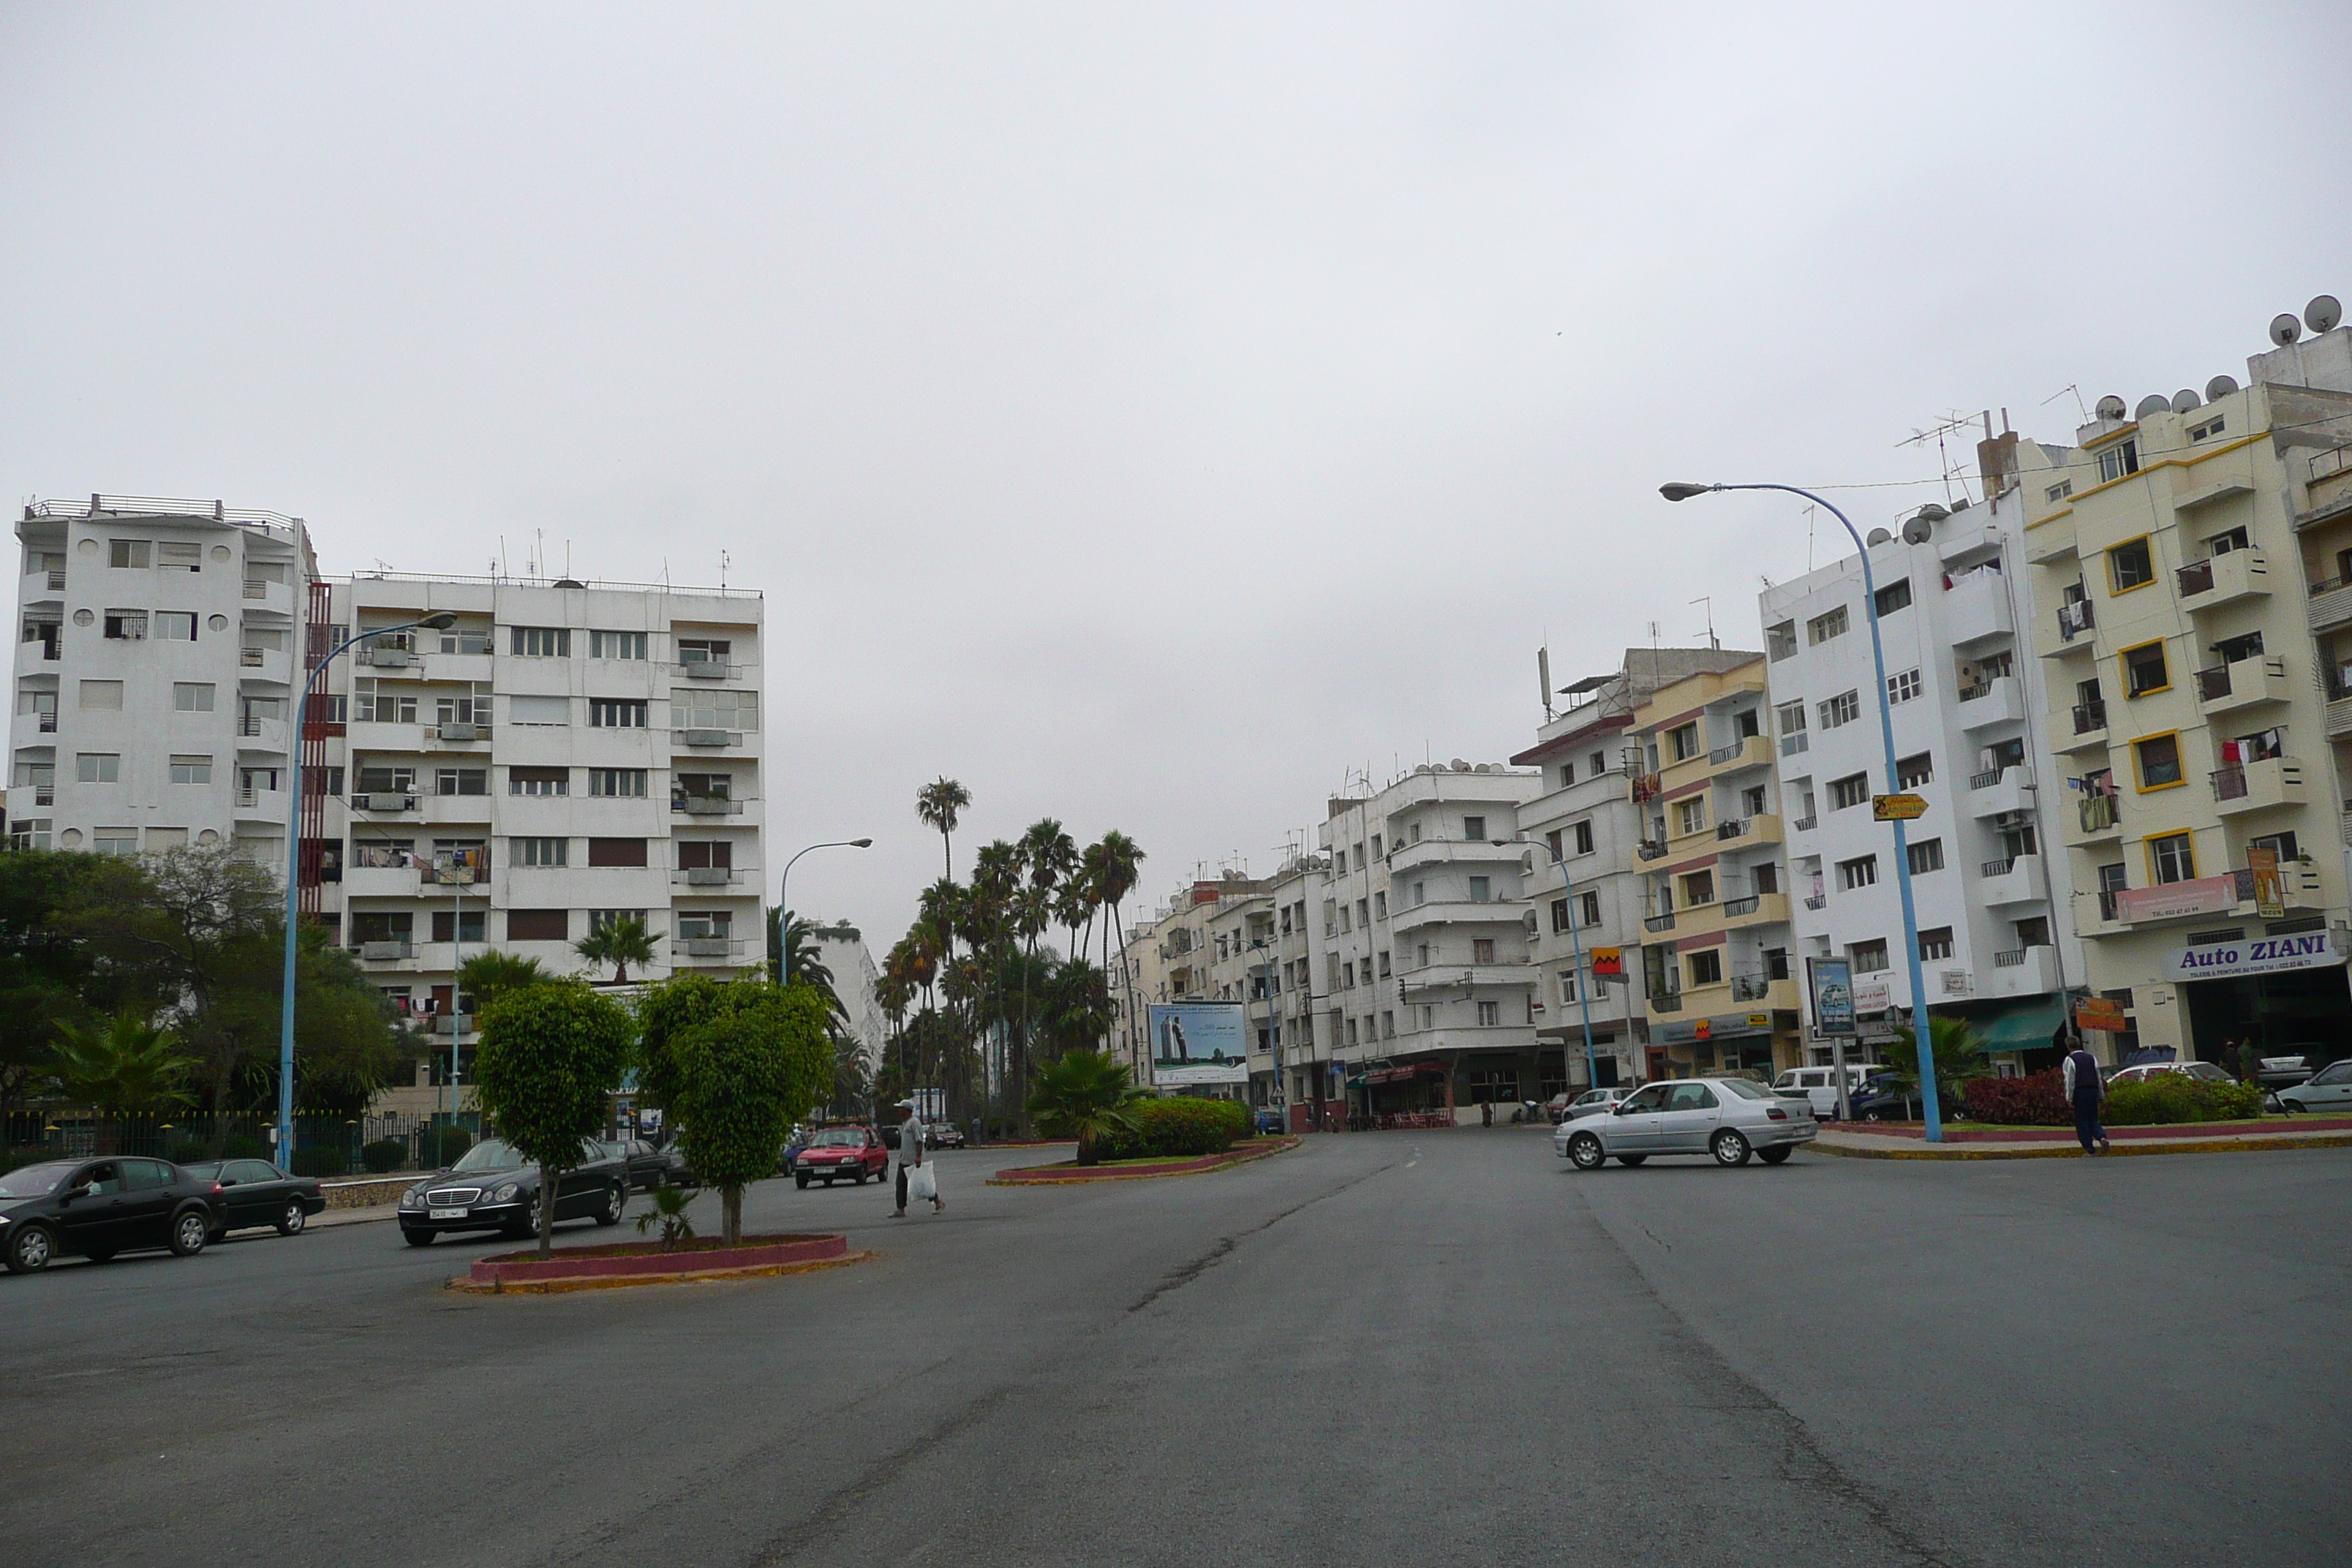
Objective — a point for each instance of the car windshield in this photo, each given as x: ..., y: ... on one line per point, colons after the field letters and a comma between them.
x: 1743, y: 1088
x: 491, y: 1154
x: 839, y: 1138
x: 33, y: 1181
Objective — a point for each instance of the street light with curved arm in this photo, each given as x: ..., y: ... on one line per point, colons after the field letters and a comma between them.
x: 294, y: 869
x: 784, y: 909
x: 1930, y: 1108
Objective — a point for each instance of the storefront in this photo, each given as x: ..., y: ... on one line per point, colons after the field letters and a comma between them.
x: 1753, y: 1042
x: 2286, y: 992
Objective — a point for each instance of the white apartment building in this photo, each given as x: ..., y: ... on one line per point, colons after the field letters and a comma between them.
x: 1195, y: 948
x: 856, y: 980
x: 1287, y: 1070
x: 1587, y: 888
x: 1428, y: 985
x: 1996, y: 944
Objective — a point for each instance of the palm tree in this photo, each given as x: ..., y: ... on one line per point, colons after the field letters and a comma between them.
x: 941, y: 804
x: 1084, y: 1096
x: 1122, y: 861
x: 802, y: 957
x: 1960, y: 1053
x: 619, y: 943
x: 129, y: 1067
x: 489, y: 974
x: 1050, y: 854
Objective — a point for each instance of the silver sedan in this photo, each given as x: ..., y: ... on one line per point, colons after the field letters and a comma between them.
x: 1729, y: 1118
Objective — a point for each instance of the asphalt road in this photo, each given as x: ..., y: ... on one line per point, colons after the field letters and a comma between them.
x: 1390, y: 1348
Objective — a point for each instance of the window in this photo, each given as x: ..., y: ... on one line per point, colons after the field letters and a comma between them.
x: 541, y: 642
x: 447, y: 927
x: 2159, y: 758
x: 1481, y: 889
x: 2144, y: 670
x: 616, y: 714
x: 617, y: 644
x: 2117, y: 460
x: 192, y: 697
x: 1588, y: 910
x: 1841, y: 710
x: 1791, y: 717
x: 1852, y: 790
x: 539, y: 925
x: 1934, y: 944
x: 387, y: 780
x: 192, y: 770
x: 1820, y: 628
x: 1364, y: 913
x: 1474, y: 828
x: 1567, y: 986
x: 616, y: 851
x: 1420, y: 894
x: 1914, y: 771
x: 126, y: 553
x: 98, y: 767
x: 1376, y: 845
x: 2171, y: 859
x: 474, y: 708
x: 1482, y: 950
x: 1868, y: 957
x: 461, y: 781
x: 1690, y: 816
x: 599, y: 919
x: 29, y: 833
x: 126, y: 626
x: 542, y: 851
x: 1347, y: 975
x: 1903, y: 687
x: 2058, y: 492
x: 539, y: 781
x: 175, y: 626
x: 1682, y: 742
x: 1781, y: 640
x: 1926, y: 855
x: 372, y: 705
x: 1351, y: 1031
x: 1707, y: 967
x: 1381, y: 905
x: 1559, y: 916
x: 2208, y: 430
x: 548, y: 710
x: 1893, y: 597
x: 629, y: 783
x: 717, y: 708
x: 702, y: 650
x: 96, y: 696
x: 1698, y: 888
x: 1490, y: 1013
x: 1859, y: 872
x: 1584, y: 831
x: 458, y: 640
x: 719, y: 855
x: 1566, y: 774
x: 2130, y: 564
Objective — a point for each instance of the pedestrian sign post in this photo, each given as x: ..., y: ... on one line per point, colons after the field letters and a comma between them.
x: 1897, y: 807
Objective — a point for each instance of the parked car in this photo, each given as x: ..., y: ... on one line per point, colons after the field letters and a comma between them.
x: 676, y: 1170
x: 2289, y: 1068
x: 1269, y: 1121
x: 1591, y: 1102
x: 1884, y: 1100
x: 841, y: 1153
x: 647, y: 1165
x: 1817, y: 1085
x: 255, y: 1192
x: 494, y: 1187
x: 2209, y: 1071
x: 96, y: 1208
x: 942, y: 1135
x: 1728, y: 1118
x: 791, y: 1150
x: 2328, y: 1091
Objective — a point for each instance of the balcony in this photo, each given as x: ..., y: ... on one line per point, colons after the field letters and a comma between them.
x: 2096, y: 819
x: 2225, y: 579
x: 1647, y: 849
x: 706, y: 670
x: 706, y: 876
x: 2076, y: 620
x: 2022, y: 971
x: 1756, y: 910
x: 2000, y: 790
x: 431, y: 878
x: 1748, y: 752
x: 1976, y: 610
x: 452, y: 734
x: 707, y: 949
x: 2000, y: 701
x: 2050, y: 543
x: 1658, y: 923
x: 1817, y: 901
x: 1805, y: 824
x: 378, y: 655
x: 452, y: 1023
x: 2299, y: 888
x: 380, y: 802
x: 1761, y: 829
x: 392, y: 952
x: 2258, y: 786
x: 276, y: 598
x: 269, y: 804
x: 1643, y: 786
x: 2245, y: 684
x: 1665, y: 1001
x: 1403, y: 858
x: 263, y: 663
x: 45, y: 795
x: 706, y: 805
x: 700, y: 740
x: 2013, y: 880
x: 2330, y: 608
x: 266, y: 734
x: 2095, y: 914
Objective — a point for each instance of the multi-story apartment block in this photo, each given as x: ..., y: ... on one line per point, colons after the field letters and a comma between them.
x: 1427, y: 986
x: 2204, y: 823
x: 153, y: 675
x: 1996, y: 944
x: 1288, y: 1072
x: 1194, y: 949
x: 1586, y: 884
x: 1716, y: 964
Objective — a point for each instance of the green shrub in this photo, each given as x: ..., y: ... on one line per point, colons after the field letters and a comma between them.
x: 244, y: 1146
x: 384, y: 1154
x: 1179, y: 1127
x: 442, y: 1145
x: 319, y: 1163
x: 186, y: 1151
x: 2167, y: 1099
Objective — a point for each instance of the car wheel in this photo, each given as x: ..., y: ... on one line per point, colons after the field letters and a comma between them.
x: 1776, y: 1154
x: 1584, y: 1152
x: 801, y: 1182
x: 416, y: 1237
x: 190, y: 1232
x: 1634, y: 1160
x: 1728, y: 1148
x: 616, y: 1201
x: 529, y: 1224
x: 30, y: 1249
x: 1872, y: 1116
x: 292, y: 1222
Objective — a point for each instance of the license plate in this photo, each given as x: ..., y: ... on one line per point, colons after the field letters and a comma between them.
x: 446, y: 1214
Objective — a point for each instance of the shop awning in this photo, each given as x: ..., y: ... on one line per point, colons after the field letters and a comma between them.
x: 2026, y: 1028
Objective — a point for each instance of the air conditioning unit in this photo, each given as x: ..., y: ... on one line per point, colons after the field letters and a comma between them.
x: 707, y: 877
x: 707, y: 738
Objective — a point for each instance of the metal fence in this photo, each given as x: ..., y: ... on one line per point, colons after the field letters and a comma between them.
x: 330, y: 1140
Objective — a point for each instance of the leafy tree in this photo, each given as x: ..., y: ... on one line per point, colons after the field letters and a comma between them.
x: 47, y: 976
x: 550, y: 1054
x: 1077, y: 1008
x: 748, y: 1072
x: 1959, y: 1056
x: 1086, y: 1096
x: 619, y: 943
x: 128, y: 1066
x: 941, y: 805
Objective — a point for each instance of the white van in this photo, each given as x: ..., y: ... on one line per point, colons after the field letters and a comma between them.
x: 1819, y: 1084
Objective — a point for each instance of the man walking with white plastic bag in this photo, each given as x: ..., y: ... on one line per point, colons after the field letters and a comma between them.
x: 916, y: 1176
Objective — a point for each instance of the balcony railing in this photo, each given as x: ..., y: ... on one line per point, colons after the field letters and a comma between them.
x: 2075, y: 619
x: 1805, y: 824
x: 2230, y: 783
x: 1648, y: 849
x: 2002, y: 867
x: 1667, y: 1001
x: 1735, y: 908
x: 384, y: 952
x: 706, y: 947
x: 2197, y: 577
x: 1659, y: 922
x: 1731, y: 827
x: 2097, y: 812
x: 2213, y: 684
x: 256, y: 590
x: 706, y: 805
x: 45, y: 795
x: 2090, y: 716
x: 48, y: 724
x: 2013, y: 958
x: 706, y: 876
x: 1817, y: 901
x: 1970, y: 693
x: 2107, y: 904
x: 1645, y: 787
x: 1729, y: 753
x: 56, y: 581
x: 1751, y: 987
x: 251, y: 658
x: 1984, y: 779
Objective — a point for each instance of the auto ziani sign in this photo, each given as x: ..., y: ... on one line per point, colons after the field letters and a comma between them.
x: 2263, y: 955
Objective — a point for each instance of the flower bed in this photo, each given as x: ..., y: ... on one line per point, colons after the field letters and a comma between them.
x: 1070, y: 1171
x: 647, y: 1262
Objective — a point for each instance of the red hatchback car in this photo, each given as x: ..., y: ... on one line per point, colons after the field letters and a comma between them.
x: 838, y: 1153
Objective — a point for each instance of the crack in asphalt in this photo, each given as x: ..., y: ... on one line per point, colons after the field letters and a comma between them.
x: 818, y: 1527
x: 1179, y: 1279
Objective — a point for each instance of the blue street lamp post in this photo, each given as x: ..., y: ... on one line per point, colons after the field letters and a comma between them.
x: 293, y: 875
x: 784, y: 909
x: 1930, y: 1109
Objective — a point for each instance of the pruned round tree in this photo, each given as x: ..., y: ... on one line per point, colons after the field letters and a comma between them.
x: 549, y: 1057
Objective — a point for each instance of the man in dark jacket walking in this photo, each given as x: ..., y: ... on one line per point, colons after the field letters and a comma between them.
x: 2085, y: 1089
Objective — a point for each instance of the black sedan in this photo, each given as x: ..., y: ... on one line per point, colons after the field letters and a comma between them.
x: 96, y: 1208
x: 255, y: 1192
x: 648, y: 1166
x: 495, y: 1187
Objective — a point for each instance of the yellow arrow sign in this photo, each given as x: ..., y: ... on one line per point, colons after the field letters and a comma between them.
x: 1897, y: 807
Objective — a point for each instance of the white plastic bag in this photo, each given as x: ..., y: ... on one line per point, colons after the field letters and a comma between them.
x: 922, y: 1183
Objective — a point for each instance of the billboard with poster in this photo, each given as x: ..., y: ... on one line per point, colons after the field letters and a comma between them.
x: 1195, y: 1043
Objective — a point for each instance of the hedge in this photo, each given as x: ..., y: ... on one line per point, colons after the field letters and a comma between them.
x: 442, y: 1145
x: 2036, y: 1100
x: 2165, y: 1099
x: 244, y: 1146
x: 1179, y: 1127
x: 322, y: 1162
x: 384, y: 1154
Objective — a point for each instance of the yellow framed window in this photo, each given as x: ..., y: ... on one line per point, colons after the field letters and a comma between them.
x: 2172, y: 857
x: 2131, y: 564
x: 2157, y: 759
x: 2145, y: 670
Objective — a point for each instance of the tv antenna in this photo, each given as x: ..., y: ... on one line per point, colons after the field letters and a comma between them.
x: 1708, y: 600
x: 1940, y: 432
x: 2062, y: 392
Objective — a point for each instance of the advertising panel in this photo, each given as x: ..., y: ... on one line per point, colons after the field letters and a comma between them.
x: 2169, y: 900
x: 2270, y: 892
x: 2261, y: 955
x: 1831, y: 980
x: 1199, y: 1043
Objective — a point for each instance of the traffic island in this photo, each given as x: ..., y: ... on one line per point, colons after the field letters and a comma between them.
x: 1069, y: 1172
x: 649, y: 1263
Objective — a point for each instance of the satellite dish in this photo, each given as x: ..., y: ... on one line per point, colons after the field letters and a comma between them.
x: 1878, y: 536
x: 2153, y: 403
x: 1961, y: 505
x: 1918, y: 531
x: 1934, y: 514
x: 2219, y: 387
x: 2284, y: 330
x: 1460, y: 766
x: 2322, y: 314
x: 2109, y: 408
x: 2183, y: 400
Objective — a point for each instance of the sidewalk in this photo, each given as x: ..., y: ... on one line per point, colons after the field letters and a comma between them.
x: 2058, y: 1142
x: 354, y: 1216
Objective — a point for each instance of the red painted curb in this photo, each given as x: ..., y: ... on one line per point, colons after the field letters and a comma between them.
x: 1048, y: 1175
x: 2269, y: 1126
x: 614, y: 1263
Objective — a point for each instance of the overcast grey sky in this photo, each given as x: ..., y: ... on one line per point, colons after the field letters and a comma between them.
x: 1140, y: 415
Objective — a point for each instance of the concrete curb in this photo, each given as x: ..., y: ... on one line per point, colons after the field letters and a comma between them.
x: 2074, y: 1152
x: 1201, y: 1167
x: 624, y: 1282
